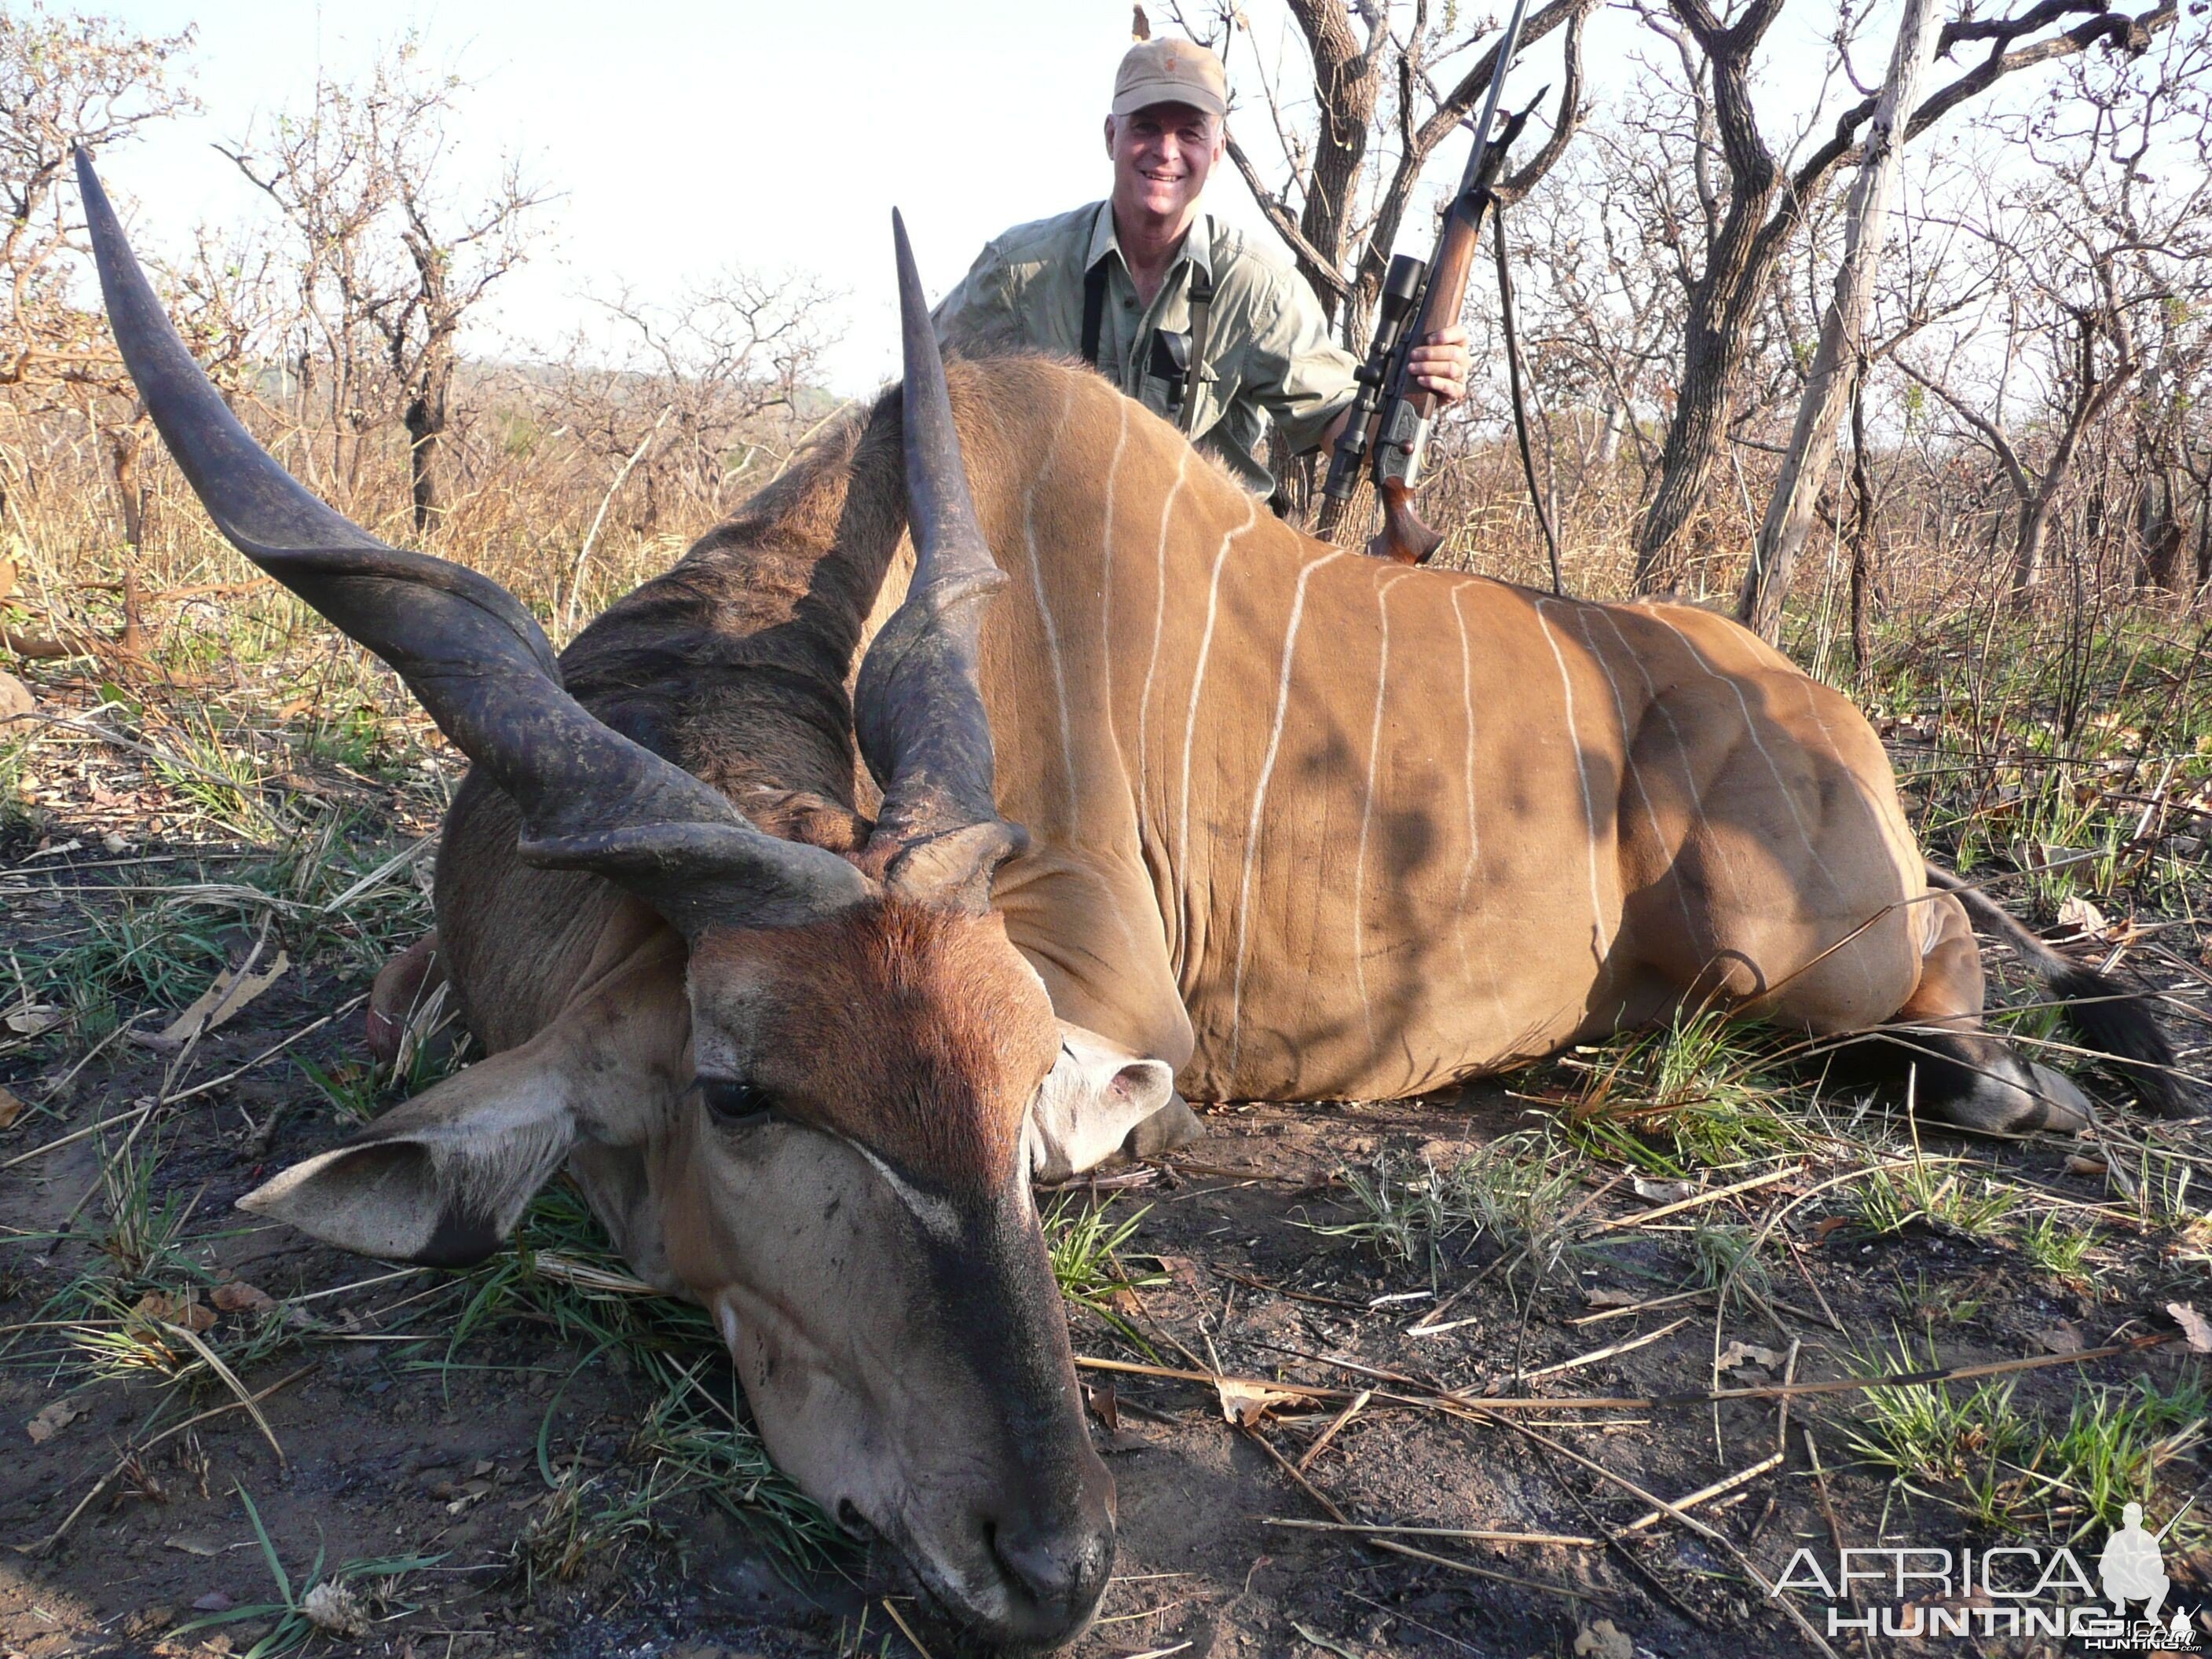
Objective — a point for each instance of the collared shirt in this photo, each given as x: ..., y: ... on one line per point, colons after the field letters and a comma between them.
x: 1268, y: 354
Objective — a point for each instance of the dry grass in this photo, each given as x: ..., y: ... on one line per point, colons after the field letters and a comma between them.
x: 235, y: 774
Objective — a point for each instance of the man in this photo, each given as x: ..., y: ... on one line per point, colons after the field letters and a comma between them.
x: 1140, y: 282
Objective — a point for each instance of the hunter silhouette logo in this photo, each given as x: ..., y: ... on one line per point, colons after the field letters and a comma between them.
x: 2133, y: 1567
x: 2006, y: 1589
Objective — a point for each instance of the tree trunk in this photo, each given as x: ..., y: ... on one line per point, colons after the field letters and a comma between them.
x: 422, y: 458
x: 1608, y: 447
x: 2027, y: 544
x: 424, y: 417
x: 2158, y: 529
x: 1835, y: 359
x: 1345, y: 82
x: 1723, y: 307
x: 1862, y: 539
x: 2204, y: 535
x: 1714, y: 353
x: 124, y: 445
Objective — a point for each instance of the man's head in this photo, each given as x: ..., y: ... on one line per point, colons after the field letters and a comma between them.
x: 1166, y: 130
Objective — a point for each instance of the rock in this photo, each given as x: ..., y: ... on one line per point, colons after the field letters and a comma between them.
x: 1603, y: 1641
x: 332, y: 1608
x: 14, y: 697
x: 149, y: 1621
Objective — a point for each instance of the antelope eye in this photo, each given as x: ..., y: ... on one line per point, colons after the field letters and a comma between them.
x: 733, y: 1101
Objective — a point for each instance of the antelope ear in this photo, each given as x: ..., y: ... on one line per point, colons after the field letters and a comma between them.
x: 1095, y: 1093
x: 441, y: 1179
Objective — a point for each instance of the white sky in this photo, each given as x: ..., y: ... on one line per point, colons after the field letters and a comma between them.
x: 685, y: 136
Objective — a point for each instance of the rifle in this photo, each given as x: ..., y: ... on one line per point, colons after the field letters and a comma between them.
x: 1388, y: 427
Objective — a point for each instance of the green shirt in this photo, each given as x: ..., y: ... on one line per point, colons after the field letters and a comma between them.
x: 1268, y: 354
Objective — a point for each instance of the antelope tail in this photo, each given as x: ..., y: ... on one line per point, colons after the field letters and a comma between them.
x: 2109, y: 1016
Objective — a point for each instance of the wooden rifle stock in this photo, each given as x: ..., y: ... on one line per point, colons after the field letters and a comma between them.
x: 1408, y: 407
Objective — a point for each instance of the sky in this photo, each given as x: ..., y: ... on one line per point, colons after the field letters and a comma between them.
x: 686, y: 136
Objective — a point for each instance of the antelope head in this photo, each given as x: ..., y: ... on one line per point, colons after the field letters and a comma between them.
x: 835, y: 1144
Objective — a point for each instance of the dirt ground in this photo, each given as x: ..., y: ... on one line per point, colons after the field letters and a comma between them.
x: 408, y: 1431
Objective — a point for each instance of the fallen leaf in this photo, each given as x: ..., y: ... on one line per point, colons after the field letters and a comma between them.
x: 11, y: 1107
x: 1328, y: 1645
x: 52, y: 1418
x: 1602, y: 1641
x: 2059, y: 1339
x: 2194, y: 1324
x: 2078, y: 1165
x: 192, y: 1545
x: 2083, y: 917
x: 1245, y: 1404
x: 230, y: 992
x: 1181, y: 1269
x: 333, y: 1609
x: 213, y: 1602
x: 2046, y: 855
x: 1827, y: 1225
x: 239, y: 1296
x: 33, y: 1018
x: 1747, y: 1353
x: 1606, y: 1298
x: 1105, y: 1405
x: 1664, y: 1192
x: 187, y: 1310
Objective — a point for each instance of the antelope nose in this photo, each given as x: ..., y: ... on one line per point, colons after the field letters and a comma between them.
x: 1060, y: 1572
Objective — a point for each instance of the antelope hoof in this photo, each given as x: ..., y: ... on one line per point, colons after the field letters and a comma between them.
x: 1174, y: 1125
x: 2066, y: 1109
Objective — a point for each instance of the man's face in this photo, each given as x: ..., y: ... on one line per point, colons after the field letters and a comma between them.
x: 1162, y: 155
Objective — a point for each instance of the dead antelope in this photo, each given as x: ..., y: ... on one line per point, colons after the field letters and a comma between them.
x: 1300, y: 826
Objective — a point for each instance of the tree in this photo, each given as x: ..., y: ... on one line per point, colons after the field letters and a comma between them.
x: 1751, y: 207
x: 701, y: 388
x: 67, y: 80
x: 1835, y: 359
x: 390, y: 267
x: 2102, y: 262
x: 1378, y: 116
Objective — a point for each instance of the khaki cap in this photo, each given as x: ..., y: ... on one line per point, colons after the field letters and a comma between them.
x: 1166, y: 71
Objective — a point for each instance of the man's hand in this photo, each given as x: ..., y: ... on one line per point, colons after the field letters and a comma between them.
x: 1442, y: 363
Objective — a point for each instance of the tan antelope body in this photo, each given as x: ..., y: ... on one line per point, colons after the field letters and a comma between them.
x: 1299, y: 825
x: 1310, y: 825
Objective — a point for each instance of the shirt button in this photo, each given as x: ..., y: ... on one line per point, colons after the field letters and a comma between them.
x: 1128, y: 305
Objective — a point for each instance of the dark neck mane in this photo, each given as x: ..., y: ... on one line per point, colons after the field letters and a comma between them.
x: 734, y: 663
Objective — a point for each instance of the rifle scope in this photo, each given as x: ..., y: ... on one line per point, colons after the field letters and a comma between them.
x: 1402, y: 289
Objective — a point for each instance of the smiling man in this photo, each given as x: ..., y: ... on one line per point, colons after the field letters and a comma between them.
x: 1191, y: 317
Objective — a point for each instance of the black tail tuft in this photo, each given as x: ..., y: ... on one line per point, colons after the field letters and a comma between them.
x: 2112, y: 1020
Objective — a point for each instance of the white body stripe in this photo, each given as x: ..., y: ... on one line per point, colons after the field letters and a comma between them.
x: 1681, y: 748
x: 1259, y: 803
x: 1106, y: 553
x: 1044, y: 608
x: 1628, y: 759
x: 1198, y: 683
x: 1160, y: 627
x: 1774, y: 769
x: 1467, y: 778
x: 1600, y: 942
x: 1367, y: 801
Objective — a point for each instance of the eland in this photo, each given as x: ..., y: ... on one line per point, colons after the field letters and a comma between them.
x: 734, y: 898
